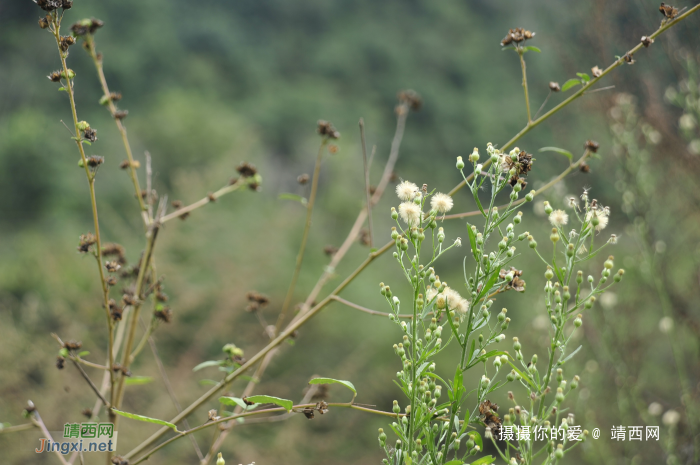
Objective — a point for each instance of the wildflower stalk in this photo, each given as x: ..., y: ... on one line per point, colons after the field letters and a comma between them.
x: 365, y: 164
x: 521, y: 54
x: 304, y: 237
x: 584, y: 88
x: 56, y: 30
x: 200, y: 203
x: 126, y: 354
x: 35, y: 418
x: 97, y: 61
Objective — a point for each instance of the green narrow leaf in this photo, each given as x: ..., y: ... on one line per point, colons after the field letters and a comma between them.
x: 454, y: 462
x: 134, y: 416
x: 485, y: 460
x: 209, y: 363
x: 287, y: 404
x: 489, y: 284
x: 569, y: 84
x: 84, y: 353
x: 569, y: 356
x: 138, y: 380
x: 584, y: 76
x: 87, y: 142
x: 235, y: 401
x: 532, y: 48
x: 347, y: 384
x: 294, y: 197
x: 566, y: 153
x: 472, y: 239
x: 207, y: 382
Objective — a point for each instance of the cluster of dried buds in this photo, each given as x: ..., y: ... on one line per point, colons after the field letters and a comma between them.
x: 86, y: 26
x: 522, y: 166
x: 668, y: 11
x: 51, y: 5
x: 411, y: 98
x: 256, y: 301
x: 517, y: 35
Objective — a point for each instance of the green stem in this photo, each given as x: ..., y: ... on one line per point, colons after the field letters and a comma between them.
x: 527, y: 97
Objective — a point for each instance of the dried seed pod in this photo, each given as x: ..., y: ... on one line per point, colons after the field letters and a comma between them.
x: 120, y: 114
x: 246, y: 170
x: 325, y: 128
x: 668, y: 11
x: 592, y: 146
x: 554, y: 86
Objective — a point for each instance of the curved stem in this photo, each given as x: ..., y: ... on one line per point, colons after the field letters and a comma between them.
x: 90, y: 41
x: 91, y: 184
x: 523, y: 67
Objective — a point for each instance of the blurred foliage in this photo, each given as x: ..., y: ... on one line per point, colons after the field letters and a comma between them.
x: 210, y: 84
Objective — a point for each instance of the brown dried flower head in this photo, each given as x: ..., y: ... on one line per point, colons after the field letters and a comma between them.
x: 596, y: 71
x: 90, y: 134
x: 330, y: 250
x: 86, y: 240
x: 247, y: 170
x: 325, y: 128
x: 628, y: 58
x: 120, y: 114
x: 87, y: 412
x: 411, y: 98
x: 647, y: 41
x: 517, y: 35
x: 112, y: 266
x: 584, y: 167
x: 164, y: 314
x: 60, y: 362
x: 72, y: 345
x: 668, y: 11
x: 93, y: 161
x: 43, y: 22
x: 303, y: 179
x: 554, y: 86
x: 592, y: 146
x: 55, y: 76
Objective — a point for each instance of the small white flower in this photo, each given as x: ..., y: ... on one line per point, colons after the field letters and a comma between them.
x: 655, y: 409
x: 558, y: 218
x: 670, y: 418
x: 458, y: 242
x: 666, y: 325
x: 410, y: 213
x: 441, y: 203
x: 573, y: 203
x: 406, y: 190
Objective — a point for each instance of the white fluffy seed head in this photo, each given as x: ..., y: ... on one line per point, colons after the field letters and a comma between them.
x: 442, y: 203
x: 602, y: 215
x: 558, y: 218
x: 410, y: 213
x: 406, y: 191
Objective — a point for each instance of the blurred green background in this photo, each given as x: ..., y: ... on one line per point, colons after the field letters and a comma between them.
x: 209, y: 84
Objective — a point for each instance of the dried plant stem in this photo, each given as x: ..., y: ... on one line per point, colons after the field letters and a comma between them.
x: 527, y: 97
x: 367, y: 310
x: 584, y: 89
x: 304, y: 237
x: 16, y: 428
x: 200, y: 203
x: 91, y: 184
x: 293, y: 326
x: 349, y: 405
x: 90, y: 41
x: 36, y: 419
x: 126, y: 354
x: 365, y: 164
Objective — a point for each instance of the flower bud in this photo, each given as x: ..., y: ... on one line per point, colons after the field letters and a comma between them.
x: 220, y: 459
x: 530, y: 196
x: 474, y: 157
x: 618, y: 276
x: 548, y: 208
x: 518, y: 218
x: 559, y: 453
x: 549, y: 274
x: 396, y: 409
x: 460, y: 163
x: 577, y: 321
x: 394, y: 213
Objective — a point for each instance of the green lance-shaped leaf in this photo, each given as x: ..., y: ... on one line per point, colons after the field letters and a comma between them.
x: 138, y: 380
x: 569, y: 84
x: 134, y: 416
x: 236, y: 401
x: 532, y: 48
x: 293, y: 197
x: 485, y: 460
x: 566, y: 153
x: 584, y: 76
x: 347, y: 384
x: 287, y: 404
x: 208, y: 363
